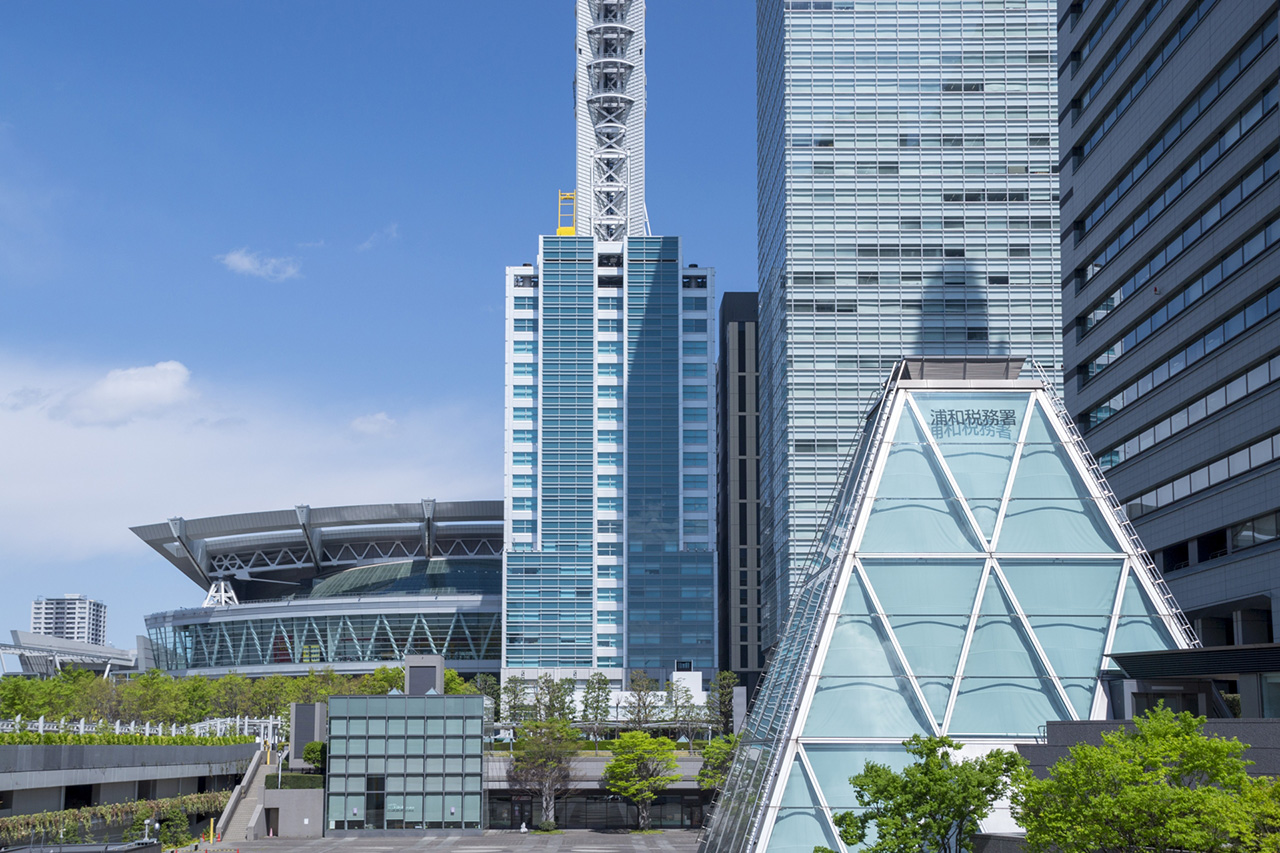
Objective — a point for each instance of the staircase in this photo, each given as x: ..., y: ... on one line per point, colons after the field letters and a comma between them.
x: 234, y: 823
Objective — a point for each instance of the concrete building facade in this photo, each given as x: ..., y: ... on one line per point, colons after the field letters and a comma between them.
x: 70, y: 617
x: 1170, y: 144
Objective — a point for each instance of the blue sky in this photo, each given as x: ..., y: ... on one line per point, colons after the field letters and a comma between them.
x: 251, y: 254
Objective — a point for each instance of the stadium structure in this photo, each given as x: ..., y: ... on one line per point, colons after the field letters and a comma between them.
x: 350, y: 588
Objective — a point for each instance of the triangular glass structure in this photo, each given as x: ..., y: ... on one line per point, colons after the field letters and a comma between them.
x: 977, y: 435
x: 1050, y: 509
x: 914, y: 504
x: 912, y: 618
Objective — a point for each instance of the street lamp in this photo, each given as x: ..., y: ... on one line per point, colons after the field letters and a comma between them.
x: 146, y: 830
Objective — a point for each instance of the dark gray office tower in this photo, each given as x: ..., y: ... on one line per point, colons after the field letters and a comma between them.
x: 1171, y: 286
x: 738, y: 502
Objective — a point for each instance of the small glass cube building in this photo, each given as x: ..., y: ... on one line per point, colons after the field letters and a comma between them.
x: 974, y: 578
x: 407, y: 762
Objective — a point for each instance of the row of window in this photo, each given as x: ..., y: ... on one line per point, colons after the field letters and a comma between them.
x: 1139, y: 81
x: 1233, y: 465
x: 1262, y: 307
x: 1100, y: 27
x: 1119, y: 52
x: 1235, y: 260
x: 1224, y: 395
x: 1231, y: 198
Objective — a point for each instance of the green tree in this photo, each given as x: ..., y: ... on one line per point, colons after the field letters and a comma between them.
x: 680, y: 711
x: 175, y: 827
x: 595, y: 706
x: 454, y: 683
x: 716, y: 760
x: 314, y: 754
x: 640, y: 769
x: 935, y: 804
x: 488, y: 685
x: 553, y: 700
x: 719, y: 709
x: 543, y: 762
x: 231, y: 695
x: 643, y: 700
x: 515, y: 699
x: 1161, y: 785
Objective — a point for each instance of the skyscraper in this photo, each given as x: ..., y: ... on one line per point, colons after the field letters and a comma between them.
x: 1171, y: 288
x: 908, y: 206
x: 610, y: 419
x: 70, y: 617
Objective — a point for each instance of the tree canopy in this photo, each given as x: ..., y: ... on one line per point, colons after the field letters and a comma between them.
x: 543, y: 765
x: 717, y: 757
x: 935, y: 804
x: 641, y: 769
x: 1162, y: 785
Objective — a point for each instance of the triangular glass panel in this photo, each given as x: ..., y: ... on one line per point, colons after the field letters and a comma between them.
x: 914, y: 509
x: 1005, y: 689
x: 868, y: 706
x: 928, y: 606
x: 1069, y: 604
x: 1141, y: 627
x: 937, y: 692
x: 801, y: 824
x: 834, y: 763
x: 977, y: 434
x: 1050, y: 509
x: 1081, y: 692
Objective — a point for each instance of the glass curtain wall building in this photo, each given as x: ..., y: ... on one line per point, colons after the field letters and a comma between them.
x: 907, y: 205
x: 1171, y: 287
x: 974, y: 581
x: 610, y: 417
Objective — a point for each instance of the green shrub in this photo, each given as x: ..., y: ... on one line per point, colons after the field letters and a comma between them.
x: 547, y: 826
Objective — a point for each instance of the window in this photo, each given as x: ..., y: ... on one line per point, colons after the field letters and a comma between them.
x: 524, y: 504
x: 609, y: 594
x: 524, y: 436
x: 609, y: 481
x: 524, y: 413
x: 609, y: 325
x: 695, y: 436
x: 524, y: 457
x: 524, y: 368
x: 609, y: 641
x: 695, y: 392
x: 524, y: 481
x: 526, y: 325
x: 692, y: 369
x: 691, y: 415
x: 609, y: 504
x: 610, y: 303
x: 525, y: 347
x: 695, y: 481
x: 695, y: 504
x: 609, y: 549
x: 695, y: 527
x: 609, y: 392
x: 616, y: 370
x: 609, y: 347
x: 690, y: 326
x: 609, y: 526
x: 526, y: 303
x: 609, y: 436
x: 524, y: 525
x: 694, y: 347
x: 695, y: 460
x: 612, y: 414
x: 609, y: 458
x: 695, y: 303
x: 609, y: 572
x: 525, y: 392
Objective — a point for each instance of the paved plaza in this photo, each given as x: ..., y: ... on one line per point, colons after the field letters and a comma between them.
x: 568, y: 841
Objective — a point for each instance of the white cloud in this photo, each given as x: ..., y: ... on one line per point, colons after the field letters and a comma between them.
x: 253, y: 263
x: 379, y: 423
x: 385, y: 235
x: 125, y: 394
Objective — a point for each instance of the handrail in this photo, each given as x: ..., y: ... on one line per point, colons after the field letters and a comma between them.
x: 237, y: 794
x: 1149, y: 569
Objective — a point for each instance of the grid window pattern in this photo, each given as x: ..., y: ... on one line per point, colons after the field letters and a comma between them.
x: 908, y: 197
x: 407, y: 762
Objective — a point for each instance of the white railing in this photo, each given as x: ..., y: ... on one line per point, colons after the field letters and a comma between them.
x: 264, y: 729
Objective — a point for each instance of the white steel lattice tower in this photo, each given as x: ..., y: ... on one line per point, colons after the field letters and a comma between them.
x: 610, y: 106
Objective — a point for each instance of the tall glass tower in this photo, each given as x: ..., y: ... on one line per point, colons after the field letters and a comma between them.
x: 907, y: 206
x: 610, y: 420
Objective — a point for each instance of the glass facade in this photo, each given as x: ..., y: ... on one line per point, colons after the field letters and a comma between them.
x: 609, y: 563
x: 407, y: 762
x: 974, y: 581
x: 907, y: 206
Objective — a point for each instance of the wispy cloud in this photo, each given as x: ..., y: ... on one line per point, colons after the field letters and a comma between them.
x: 388, y: 234
x: 254, y: 263
x: 379, y: 423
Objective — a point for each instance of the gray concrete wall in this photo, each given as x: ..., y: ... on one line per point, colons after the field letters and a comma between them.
x: 301, y: 813
x: 23, y: 767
